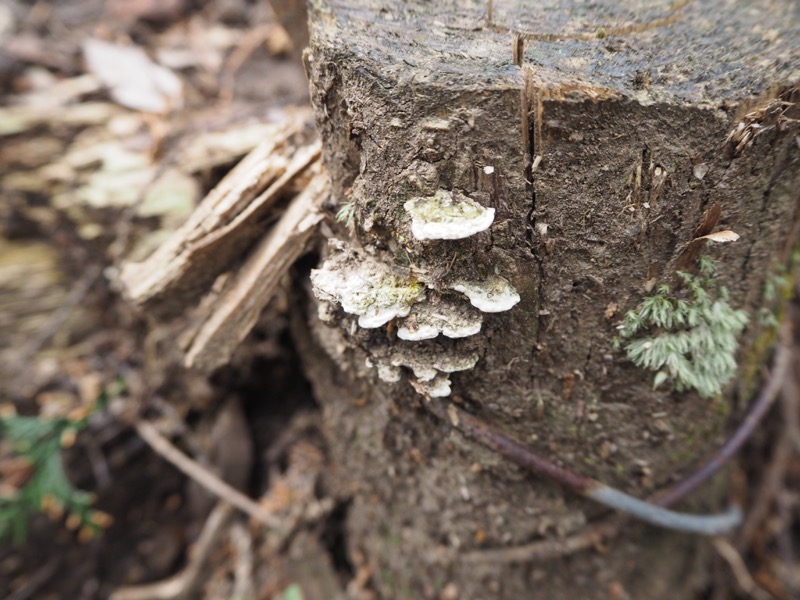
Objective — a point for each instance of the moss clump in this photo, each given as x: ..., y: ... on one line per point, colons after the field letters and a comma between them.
x: 347, y: 215
x: 690, y: 337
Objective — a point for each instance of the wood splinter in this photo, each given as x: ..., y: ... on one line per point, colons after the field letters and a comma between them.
x: 203, y: 257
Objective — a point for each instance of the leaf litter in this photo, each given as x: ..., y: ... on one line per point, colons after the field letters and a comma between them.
x: 116, y: 119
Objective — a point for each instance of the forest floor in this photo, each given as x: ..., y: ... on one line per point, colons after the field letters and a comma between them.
x: 117, y: 118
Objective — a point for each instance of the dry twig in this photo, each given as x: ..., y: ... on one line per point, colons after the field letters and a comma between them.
x: 204, y: 477
x: 184, y: 583
x: 739, y: 569
x: 511, y: 449
x: 38, y: 580
x: 545, y: 549
x: 242, y: 542
x: 234, y: 313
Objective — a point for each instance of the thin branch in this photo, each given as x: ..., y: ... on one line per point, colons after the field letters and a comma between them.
x: 704, y: 524
x: 739, y: 569
x: 204, y: 477
x: 509, y: 448
x: 182, y: 584
x: 99, y: 464
x: 545, y: 549
x: 522, y: 456
x: 757, y: 412
x: 242, y: 543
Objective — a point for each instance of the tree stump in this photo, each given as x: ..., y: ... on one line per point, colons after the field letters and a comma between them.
x: 599, y: 134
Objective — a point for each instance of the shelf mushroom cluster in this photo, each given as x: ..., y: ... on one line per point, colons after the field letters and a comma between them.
x: 379, y: 291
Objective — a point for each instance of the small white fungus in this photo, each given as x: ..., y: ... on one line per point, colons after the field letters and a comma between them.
x: 424, y: 373
x: 447, y: 216
x: 438, y: 387
x: 426, y: 362
x: 388, y: 373
x: 415, y: 332
x: 430, y: 365
x: 453, y: 319
x: 494, y: 294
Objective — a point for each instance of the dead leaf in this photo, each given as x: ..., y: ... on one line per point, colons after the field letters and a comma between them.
x: 703, y: 232
x: 721, y: 236
x: 133, y: 79
x: 15, y: 472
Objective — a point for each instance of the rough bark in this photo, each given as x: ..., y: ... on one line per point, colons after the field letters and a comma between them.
x: 611, y: 127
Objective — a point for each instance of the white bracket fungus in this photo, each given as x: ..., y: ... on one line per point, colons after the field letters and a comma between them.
x: 430, y: 366
x: 494, y: 294
x: 366, y: 287
x: 447, y: 216
x: 426, y: 361
x: 426, y: 321
x: 378, y: 291
x: 438, y: 387
x: 388, y: 373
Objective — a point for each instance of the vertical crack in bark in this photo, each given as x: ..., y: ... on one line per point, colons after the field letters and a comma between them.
x: 531, y: 104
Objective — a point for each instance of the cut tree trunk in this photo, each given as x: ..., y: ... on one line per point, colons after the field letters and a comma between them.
x: 600, y: 133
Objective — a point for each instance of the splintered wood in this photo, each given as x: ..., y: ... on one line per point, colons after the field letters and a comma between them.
x: 250, y: 288
x: 227, y: 229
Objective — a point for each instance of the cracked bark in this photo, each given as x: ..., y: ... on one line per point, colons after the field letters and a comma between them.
x: 611, y: 127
